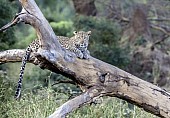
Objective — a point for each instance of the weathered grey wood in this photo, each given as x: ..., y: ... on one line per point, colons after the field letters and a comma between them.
x: 93, y: 76
x: 75, y: 103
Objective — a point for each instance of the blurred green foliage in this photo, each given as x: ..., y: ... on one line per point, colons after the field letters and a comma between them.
x: 25, y: 35
x: 63, y: 28
x: 7, y: 39
x: 7, y: 12
x: 56, y: 10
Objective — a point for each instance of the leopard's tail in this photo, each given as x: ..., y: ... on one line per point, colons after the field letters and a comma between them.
x: 24, y: 61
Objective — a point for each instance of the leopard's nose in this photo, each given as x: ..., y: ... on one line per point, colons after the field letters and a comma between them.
x: 82, y: 45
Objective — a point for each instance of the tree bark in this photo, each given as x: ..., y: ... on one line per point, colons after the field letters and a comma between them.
x: 85, y: 7
x: 96, y: 78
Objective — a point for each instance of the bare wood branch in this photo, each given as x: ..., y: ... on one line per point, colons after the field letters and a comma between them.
x: 161, y: 40
x: 159, y: 19
x: 37, y: 20
x: 14, y: 55
x: 17, y: 19
x: 160, y: 28
x: 75, y: 103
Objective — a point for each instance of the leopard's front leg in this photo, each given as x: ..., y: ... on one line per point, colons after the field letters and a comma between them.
x: 86, y: 54
x: 78, y: 52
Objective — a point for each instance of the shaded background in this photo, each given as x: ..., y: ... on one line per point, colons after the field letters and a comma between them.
x: 130, y: 34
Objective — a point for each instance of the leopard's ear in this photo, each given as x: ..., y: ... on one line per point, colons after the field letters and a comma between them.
x: 75, y: 32
x: 89, y: 33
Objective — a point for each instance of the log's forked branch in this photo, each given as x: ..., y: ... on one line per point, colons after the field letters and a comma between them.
x: 17, y: 19
x: 76, y: 102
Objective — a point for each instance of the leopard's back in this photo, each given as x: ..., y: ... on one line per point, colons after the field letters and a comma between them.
x: 64, y: 41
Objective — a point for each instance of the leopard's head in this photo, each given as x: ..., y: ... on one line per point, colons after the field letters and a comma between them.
x: 82, y: 39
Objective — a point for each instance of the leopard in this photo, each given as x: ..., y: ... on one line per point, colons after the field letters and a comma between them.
x: 33, y: 47
x: 77, y: 44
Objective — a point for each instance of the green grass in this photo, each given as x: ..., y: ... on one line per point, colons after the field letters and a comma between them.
x: 35, y: 106
x: 46, y: 101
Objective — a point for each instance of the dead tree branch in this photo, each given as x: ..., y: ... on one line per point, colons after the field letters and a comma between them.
x: 95, y: 77
x: 159, y: 19
x: 17, y: 19
x: 15, y: 55
x: 160, y: 29
x: 75, y: 103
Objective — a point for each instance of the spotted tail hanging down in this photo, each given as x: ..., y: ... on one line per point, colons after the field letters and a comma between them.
x: 24, y: 61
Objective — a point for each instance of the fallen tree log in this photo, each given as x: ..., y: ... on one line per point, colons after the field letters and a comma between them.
x: 96, y: 78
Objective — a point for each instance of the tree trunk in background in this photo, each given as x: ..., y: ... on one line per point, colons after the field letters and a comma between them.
x: 85, y: 7
x: 139, y: 25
